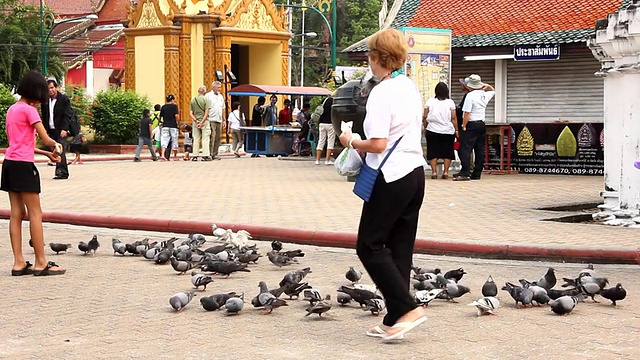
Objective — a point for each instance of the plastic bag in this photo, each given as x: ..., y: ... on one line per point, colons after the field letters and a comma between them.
x: 348, y: 162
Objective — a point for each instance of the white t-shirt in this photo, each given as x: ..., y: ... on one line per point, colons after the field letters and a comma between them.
x: 394, y: 109
x: 234, y: 119
x: 476, y: 103
x: 439, y: 117
x: 217, y: 106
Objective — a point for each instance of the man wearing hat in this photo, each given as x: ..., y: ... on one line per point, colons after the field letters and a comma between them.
x: 56, y: 117
x: 474, y: 131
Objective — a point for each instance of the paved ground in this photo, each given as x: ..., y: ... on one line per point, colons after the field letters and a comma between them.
x: 113, y: 307
x: 499, y: 209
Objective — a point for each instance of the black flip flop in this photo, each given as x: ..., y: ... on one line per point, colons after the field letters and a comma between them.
x: 47, y: 270
x: 26, y: 270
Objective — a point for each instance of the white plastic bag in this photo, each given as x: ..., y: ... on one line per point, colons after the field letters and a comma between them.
x: 349, y: 161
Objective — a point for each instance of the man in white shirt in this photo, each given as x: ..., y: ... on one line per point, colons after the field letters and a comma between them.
x: 215, y: 117
x: 474, y: 131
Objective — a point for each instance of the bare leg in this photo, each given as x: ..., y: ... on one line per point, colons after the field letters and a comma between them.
x: 162, y: 157
x: 32, y: 201
x: 434, y: 164
x: 15, y: 229
x: 447, y: 164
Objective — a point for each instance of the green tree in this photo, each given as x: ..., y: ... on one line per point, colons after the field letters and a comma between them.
x: 116, y: 116
x: 20, y: 44
x: 6, y: 100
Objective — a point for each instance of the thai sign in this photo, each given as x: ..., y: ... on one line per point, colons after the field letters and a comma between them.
x: 536, y: 52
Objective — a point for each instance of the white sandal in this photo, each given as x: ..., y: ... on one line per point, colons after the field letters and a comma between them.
x: 405, y: 327
x: 378, y: 332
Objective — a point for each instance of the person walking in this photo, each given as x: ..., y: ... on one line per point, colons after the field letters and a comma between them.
x: 474, y: 131
x: 56, y: 117
x: 215, y: 117
x: 144, y: 136
x: 327, y: 135
x: 20, y: 177
x: 389, y: 220
x: 235, y: 121
x: 441, y: 129
x: 170, y: 119
x: 201, y: 127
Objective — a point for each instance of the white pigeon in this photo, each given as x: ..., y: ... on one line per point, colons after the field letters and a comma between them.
x: 239, y: 239
x: 424, y: 297
x: 218, y: 232
x: 371, y: 288
x: 486, y: 305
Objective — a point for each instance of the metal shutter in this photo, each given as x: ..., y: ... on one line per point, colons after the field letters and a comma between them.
x: 547, y: 91
x: 461, y: 69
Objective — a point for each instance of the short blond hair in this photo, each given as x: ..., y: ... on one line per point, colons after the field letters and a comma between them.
x: 388, y: 48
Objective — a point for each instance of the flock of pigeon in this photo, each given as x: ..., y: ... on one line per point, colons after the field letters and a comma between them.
x: 232, y: 252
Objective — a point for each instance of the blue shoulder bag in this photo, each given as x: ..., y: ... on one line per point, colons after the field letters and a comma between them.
x: 367, y: 177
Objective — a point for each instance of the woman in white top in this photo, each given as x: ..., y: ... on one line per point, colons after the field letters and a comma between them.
x: 442, y: 129
x: 235, y: 120
x: 389, y: 221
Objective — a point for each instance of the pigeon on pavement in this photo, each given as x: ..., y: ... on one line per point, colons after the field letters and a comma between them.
x: 200, y: 280
x: 375, y: 306
x: 489, y: 289
x: 320, y: 307
x: 233, y: 306
x: 353, y: 275
x: 456, y: 274
x: 280, y: 260
x: 226, y: 267
x: 58, y: 248
x: 295, y: 277
x: 548, y: 281
x: 343, y: 299
x: 614, y: 294
x: 519, y: 294
x: 93, y: 244
x: 181, y: 266
x: 424, y: 297
x: 276, y: 245
x: 359, y: 295
x: 118, y: 246
x: 486, y: 305
x: 181, y: 299
x: 84, y: 247
x: 564, y: 304
x: 267, y: 300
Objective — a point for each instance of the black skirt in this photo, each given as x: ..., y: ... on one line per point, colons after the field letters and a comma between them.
x: 20, y: 176
x: 440, y: 146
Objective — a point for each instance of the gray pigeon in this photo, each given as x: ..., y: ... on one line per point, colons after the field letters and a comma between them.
x: 489, y: 289
x: 424, y: 285
x: 226, y: 268
x: 375, y: 306
x: 151, y: 253
x: 93, y: 244
x: 181, y: 299
x: 353, y: 275
x: 455, y: 274
x: 519, y: 294
x: 343, y: 299
x: 564, y: 304
x: 233, y: 306
x: 454, y: 291
x: 424, y: 297
x: 118, y: 246
x: 359, y: 295
x: 539, y: 294
x: 181, y: 266
x: 200, y: 280
x: 294, y: 290
x: 419, y: 270
x: 486, y: 305
x: 614, y: 294
x: 548, y: 280
x: 267, y: 300
x: 280, y: 260
x: 320, y: 307
x: 590, y: 289
x: 58, y: 248
x: 216, y: 301
x: 163, y: 256
x: 312, y: 296
x: 295, y: 277
x: 248, y: 257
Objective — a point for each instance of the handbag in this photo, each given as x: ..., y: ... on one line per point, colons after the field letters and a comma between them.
x: 367, y: 177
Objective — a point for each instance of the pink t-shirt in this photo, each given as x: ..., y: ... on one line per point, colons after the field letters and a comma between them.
x: 20, y: 131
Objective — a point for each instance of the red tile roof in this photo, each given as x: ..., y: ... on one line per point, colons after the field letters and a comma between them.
x: 467, y: 17
x: 68, y: 8
x: 113, y: 11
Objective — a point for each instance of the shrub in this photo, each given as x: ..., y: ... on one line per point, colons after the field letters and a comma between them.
x: 80, y: 103
x: 116, y: 116
x: 6, y: 100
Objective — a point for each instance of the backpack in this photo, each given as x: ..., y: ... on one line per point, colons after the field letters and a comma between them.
x: 74, y: 125
x: 317, y: 113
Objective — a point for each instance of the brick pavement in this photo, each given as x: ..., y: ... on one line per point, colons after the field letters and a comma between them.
x: 110, y: 307
x: 499, y: 209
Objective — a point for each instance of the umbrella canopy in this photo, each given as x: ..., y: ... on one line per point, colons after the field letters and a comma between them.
x: 263, y: 90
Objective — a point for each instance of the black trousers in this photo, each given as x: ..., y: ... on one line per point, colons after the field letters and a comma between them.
x: 386, y: 236
x: 473, y: 139
x: 62, y: 169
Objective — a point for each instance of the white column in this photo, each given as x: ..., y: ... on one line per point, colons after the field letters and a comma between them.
x: 90, y: 78
x: 501, y: 91
x: 630, y: 176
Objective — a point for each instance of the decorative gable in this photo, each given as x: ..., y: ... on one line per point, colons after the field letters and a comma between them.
x: 147, y: 14
x: 253, y: 15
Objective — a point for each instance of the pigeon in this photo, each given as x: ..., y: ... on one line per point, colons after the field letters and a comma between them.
x: 418, y: 270
x: 590, y: 289
x: 564, y: 304
x: 199, y: 239
x: 118, y: 246
x: 217, y: 249
x: 200, y: 280
x: 294, y: 290
x: 359, y: 295
x: 276, y: 245
x: 455, y: 274
x: 486, y: 305
x: 375, y: 306
x: 424, y: 297
x: 163, y: 256
x: 539, y: 294
x: 489, y: 289
x: 295, y: 277
x: 423, y: 285
x: 292, y: 253
x: 588, y: 271
x: 614, y: 294
x: 425, y: 277
x: 320, y: 307
x: 239, y: 239
x: 367, y: 287
x: 312, y: 296
x: 181, y: 299
x: 181, y: 266
x: 184, y: 255
x: 151, y: 253
x: 59, y: 247
x: 218, y: 232
x: 216, y: 301
x: 519, y: 294
x: 280, y: 260
x: 453, y: 291
x: 84, y: 247
x: 343, y: 299
x: 267, y: 300
x: 93, y: 244
x: 249, y: 257
x: 548, y: 281
x: 226, y: 267
x: 555, y: 294
x: 353, y: 275
x: 233, y: 306
x: 583, y: 279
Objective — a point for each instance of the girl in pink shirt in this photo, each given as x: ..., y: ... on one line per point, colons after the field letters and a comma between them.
x: 20, y: 177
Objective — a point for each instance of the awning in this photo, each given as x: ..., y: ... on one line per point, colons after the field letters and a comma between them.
x: 263, y: 90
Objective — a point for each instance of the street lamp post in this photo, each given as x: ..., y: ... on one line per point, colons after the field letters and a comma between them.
x: 331, y: 27
x: 310, y: 34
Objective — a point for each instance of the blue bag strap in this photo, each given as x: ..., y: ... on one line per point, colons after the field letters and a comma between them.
x: 389, y: 153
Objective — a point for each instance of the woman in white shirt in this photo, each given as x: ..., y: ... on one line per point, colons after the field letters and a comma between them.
x: 235, y: 120
x: 442, y: 129
x: 389, y: 220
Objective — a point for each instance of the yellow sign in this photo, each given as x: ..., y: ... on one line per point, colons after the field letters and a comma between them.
x: 428, y: 42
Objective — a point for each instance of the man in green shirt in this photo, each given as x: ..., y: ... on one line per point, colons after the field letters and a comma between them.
x: 199, y: 112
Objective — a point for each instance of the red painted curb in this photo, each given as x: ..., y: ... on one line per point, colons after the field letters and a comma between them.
x: 345, y: 240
